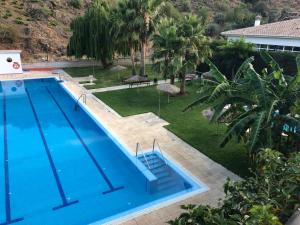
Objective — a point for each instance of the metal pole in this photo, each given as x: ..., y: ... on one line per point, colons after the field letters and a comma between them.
x: 158, y: 103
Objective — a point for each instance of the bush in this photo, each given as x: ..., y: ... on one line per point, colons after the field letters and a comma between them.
x: 186, y: 5
x: 7, y: 35
x: 75, y: 3
x: 39, y: 13
x: 228, y: 56
x: 19, y: 20
x: 213, y: 30
x: 270, y: 197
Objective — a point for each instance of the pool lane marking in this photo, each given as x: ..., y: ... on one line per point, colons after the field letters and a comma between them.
x: 65, y: 202
x: 111, y: 187
x: 9, y: 220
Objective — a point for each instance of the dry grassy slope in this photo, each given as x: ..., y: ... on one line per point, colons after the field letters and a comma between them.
x: 36, y: 23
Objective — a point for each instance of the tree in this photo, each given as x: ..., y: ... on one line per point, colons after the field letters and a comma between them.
x: 166, y: 42
x: 256, y: 107
x: 126, y: 31
x: 193, y: 50
x: 269, y: 197
x: 179, y: 47
x: 92, y: 34
x: 147, y: 11
x: 235, y: 52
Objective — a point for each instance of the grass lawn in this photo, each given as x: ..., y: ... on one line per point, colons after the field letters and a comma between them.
x: 190, y: 126
x: 105, y: 77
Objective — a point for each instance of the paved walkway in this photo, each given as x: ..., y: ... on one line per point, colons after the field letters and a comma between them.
x: 144, y: 128
x: 126, y: 86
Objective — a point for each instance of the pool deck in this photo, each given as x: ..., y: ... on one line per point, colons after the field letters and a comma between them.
x: 144, y: 128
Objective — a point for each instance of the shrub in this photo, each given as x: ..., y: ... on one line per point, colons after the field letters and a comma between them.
x: 228, y: 56
x: 270, y: 197
x: 53, y: 23
x: 213, y: 30
x: 75, y: 3
x: 7, y: 35
x: 186, y: 5
x: 7, y: 14
x: 39, y: 13
x: 19, y: 20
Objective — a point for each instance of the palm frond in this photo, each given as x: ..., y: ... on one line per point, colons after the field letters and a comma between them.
x: 216, y: 72
x: 256, y: 130
x: 246, y: 64
x: 298, y: 64
x: 257, y: 83
x: 276, y: 69
x: 219, y: 90
x: 236, y: 128
x: 271, y: 110
x: 199, y: 101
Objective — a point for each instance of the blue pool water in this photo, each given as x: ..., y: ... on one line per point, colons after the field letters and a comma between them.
x: 60, y: 166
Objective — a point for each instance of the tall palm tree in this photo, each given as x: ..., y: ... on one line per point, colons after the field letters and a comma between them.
x: 126, y: 31
x: 147, y: 11
x: 257, y: 107
x: 166, y: 42
x: 194, y: 49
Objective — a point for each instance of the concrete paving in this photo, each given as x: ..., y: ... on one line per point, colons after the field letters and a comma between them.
x: 144, y: 128
x: 126, y: 86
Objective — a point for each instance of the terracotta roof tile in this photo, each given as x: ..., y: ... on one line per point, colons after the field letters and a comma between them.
x: 287, y: 28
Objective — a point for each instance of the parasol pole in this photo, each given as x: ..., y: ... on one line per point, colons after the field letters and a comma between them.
x: 158, y: 102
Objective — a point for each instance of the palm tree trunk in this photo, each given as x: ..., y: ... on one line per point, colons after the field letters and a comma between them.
x: 172, y: 79
x: 143, y: 53
x: 182, y: 84
x: 132, y: 57
x: 104, y: 62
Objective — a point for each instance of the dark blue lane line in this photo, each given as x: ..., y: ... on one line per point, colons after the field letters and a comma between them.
x: 9, y: 220
x: 111, y: 187
x: 65, y: 202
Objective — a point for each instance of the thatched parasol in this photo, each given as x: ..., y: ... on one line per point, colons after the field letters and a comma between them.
x: 135, y: 79
x: 169, y: 89
x: 118, y: 68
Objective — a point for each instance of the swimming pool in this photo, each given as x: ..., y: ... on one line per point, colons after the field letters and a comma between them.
x: 62, y: 166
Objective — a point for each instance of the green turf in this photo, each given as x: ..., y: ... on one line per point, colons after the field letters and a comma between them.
x: 105, y: 77
x: 190, y: 126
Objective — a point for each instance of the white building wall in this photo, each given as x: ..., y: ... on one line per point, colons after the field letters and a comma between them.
x: 12, y: 66
x: 269, y: 41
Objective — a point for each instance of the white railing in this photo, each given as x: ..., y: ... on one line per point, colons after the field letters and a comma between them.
x: 139, y: 149
x: 83, y: 97
x: 155, y: 143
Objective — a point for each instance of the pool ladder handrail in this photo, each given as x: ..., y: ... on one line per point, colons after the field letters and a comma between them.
x: 83, y: 97
x: 155, y: 143
x: 139, y: 149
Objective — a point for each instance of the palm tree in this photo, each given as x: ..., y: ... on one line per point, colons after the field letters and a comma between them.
x: 194, y: 49
x: 147, y: 11
x: 126, y: 31
x: 256, y: 106
x: 166, y: 42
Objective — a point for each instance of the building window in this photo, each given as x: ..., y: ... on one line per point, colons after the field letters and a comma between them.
x: 288, y: 48
x: 277, y: 48
x: 296, y: 49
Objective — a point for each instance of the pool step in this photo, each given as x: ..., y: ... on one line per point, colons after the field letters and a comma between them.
x: 167, y: 180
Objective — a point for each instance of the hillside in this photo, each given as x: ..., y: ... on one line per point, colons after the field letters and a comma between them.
x: 36, y: 26
x: 39, y: 27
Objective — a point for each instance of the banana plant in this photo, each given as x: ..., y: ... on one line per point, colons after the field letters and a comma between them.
x: 256, y: 106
